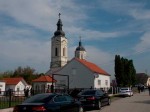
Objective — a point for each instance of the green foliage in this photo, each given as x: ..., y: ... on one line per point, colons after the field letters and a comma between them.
x: 124, y: 71
x: 27, y: 73
x: 141, y: 78
x: 6, y: 74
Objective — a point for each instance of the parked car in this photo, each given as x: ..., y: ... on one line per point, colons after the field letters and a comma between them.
x: 125, y: 91
x: 49, y: 102
x: 94, y: 98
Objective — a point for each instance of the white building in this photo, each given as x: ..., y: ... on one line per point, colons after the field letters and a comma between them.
x: 2, y: 87
x: 17, y: 85
x: 148, y: 81
x: 82, y: 73
x: 42, y: 84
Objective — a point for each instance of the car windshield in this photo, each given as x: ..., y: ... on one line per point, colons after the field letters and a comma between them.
x: 40, y: 98
x: 88, y: 92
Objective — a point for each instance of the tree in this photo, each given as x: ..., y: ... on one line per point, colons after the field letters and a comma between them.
x: 6, y: 74
x: 124, y: 71
x: 141, y: 78
x: 27, y: 73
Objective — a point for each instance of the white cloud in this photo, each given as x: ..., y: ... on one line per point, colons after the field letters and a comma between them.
x: 17, y: 50
x: 144, y: 44
x: 98, y: 56
x: 41, y: 14
x: 93, y: 34
x: 121, y: 7
x: 141, y: 14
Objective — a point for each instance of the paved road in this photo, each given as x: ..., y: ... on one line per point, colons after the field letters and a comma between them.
x: 137, y: 103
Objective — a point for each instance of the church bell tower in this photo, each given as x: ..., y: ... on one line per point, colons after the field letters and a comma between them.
x: 59, y: 54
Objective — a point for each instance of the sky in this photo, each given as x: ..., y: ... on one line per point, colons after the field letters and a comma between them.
x: 107, y: 28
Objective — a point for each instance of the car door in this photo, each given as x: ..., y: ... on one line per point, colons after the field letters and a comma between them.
x: 60, y: 103
x: 102, y: 96
x: 65, y: 105
x: 73, y: 106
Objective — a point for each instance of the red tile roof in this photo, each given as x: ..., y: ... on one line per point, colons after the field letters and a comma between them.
x: 92, y: 67
x: 44, y: 78
x: 12, y: 81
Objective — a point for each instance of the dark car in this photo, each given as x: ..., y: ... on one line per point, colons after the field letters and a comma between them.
x: 94, y: 98
x: 49, y: 102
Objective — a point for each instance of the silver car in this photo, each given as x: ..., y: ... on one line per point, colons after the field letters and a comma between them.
x: 125, y: 91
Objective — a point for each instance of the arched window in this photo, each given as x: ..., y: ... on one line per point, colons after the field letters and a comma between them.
x: 64, y: 51
x: 56, y: 51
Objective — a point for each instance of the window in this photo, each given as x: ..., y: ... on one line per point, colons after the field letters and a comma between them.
x: 106, y: 82
x: 99, y: 92
x: 64, y: 51
x: 18, y: 89
x: 69, y: 99
x: 99, y: 82
x: 56, y: 51
x: 60, y: 99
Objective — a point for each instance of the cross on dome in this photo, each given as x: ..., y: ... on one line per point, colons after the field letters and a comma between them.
x: 59, y: 15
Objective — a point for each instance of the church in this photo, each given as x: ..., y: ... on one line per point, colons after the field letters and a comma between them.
x: 78, y: 72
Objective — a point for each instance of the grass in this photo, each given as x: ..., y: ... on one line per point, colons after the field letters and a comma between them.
x: 4, y: 102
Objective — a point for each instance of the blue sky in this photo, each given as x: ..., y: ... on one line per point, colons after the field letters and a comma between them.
x: 107, y: 28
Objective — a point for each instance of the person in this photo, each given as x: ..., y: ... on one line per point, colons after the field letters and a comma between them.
x: 139, y: 88
x: 26, y: 92
x: 149, y: 89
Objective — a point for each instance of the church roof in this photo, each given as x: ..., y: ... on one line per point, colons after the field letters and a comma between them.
x: 44, y: 78
x: 93, y: 67
x: 13, y: 81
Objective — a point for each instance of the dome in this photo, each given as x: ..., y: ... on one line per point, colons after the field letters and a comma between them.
x: 59, y: 32
x: 80, y: 47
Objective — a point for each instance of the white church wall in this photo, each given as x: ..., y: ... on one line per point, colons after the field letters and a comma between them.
x: 79, y: 75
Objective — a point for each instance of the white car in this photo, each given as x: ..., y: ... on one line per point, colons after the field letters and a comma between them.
x: 125, y: 91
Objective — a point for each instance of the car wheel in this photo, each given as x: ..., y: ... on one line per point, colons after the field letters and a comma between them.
x: 81, y: 109
x: 99, y: 105
x: 109, y: 101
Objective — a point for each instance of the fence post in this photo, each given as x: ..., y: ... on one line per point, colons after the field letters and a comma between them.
x: 112, y: 89
x: 10, y: 94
